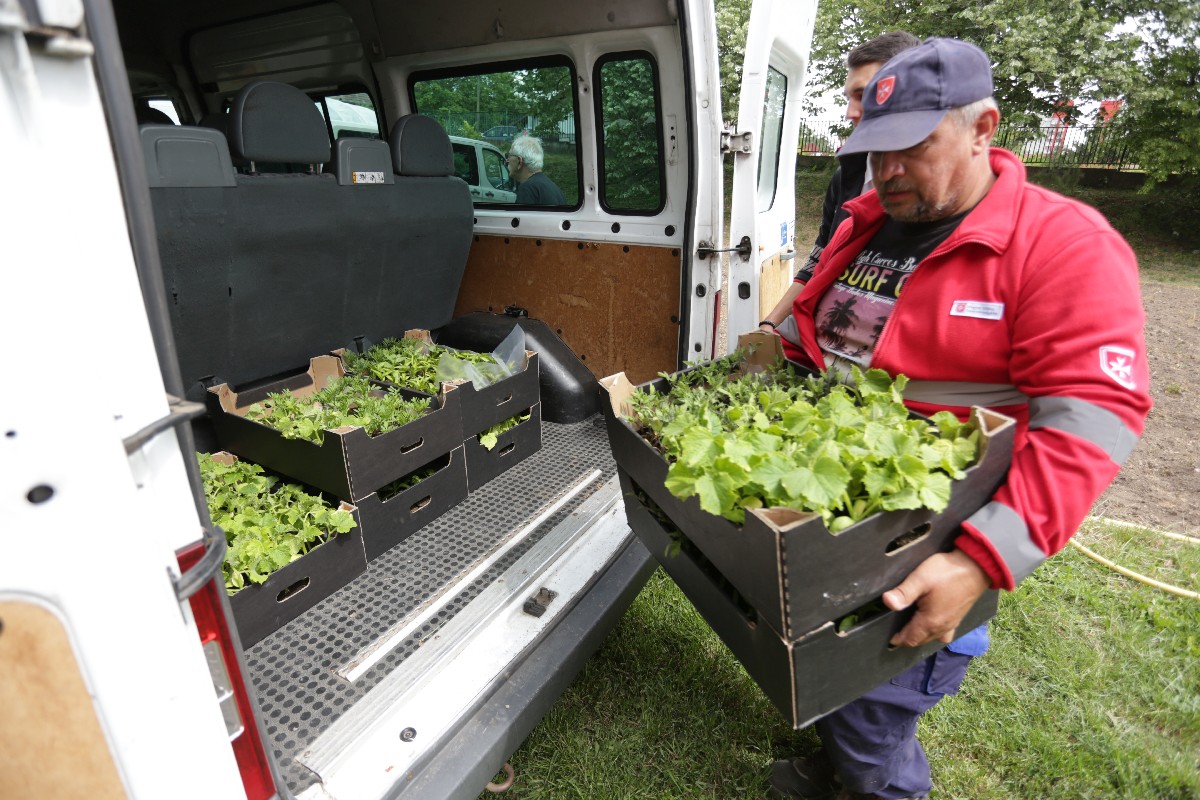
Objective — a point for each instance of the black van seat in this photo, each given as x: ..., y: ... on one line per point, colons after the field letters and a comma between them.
x: 277, y: 268
x: 362, y: 162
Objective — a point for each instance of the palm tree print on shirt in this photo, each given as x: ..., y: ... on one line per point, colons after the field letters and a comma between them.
x: 839, y: 319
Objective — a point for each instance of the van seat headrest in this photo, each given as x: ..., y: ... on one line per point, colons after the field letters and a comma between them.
x: 275, y: 123
x: 421, y: 148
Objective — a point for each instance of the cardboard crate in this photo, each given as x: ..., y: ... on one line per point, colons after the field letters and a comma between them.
x: 483, y: 408
x: 260, y: 609
x: 787, y: 564
x: 348, y: 463
x: 512, y: 446
x: 386, y: 523
x: 805, y: 678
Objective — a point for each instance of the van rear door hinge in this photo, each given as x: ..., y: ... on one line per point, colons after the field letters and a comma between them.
x: 737, y: 143
x: 743, y: 249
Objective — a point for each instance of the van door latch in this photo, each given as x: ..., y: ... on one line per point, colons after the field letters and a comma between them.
x: 743, y: 249
x: 536, y: 605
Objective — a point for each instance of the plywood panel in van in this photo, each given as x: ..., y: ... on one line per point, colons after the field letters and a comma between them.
x: 616, y: 306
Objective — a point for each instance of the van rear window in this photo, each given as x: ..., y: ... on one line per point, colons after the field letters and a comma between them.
x: 512, y: 130
x: 627, y: 107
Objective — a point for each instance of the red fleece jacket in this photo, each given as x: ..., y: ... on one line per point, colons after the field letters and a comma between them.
x: 1070, y: 326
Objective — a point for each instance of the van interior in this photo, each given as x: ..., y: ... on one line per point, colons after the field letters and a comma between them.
x: 306, y: 197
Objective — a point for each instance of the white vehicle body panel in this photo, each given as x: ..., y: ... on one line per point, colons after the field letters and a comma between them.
x: 777, y: 41
x: 100, y: 550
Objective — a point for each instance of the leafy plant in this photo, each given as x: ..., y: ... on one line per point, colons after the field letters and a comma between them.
x: 345, y: 401
x: 491, y: 436
x: 777, y: 438
x: 407, y: 482
x: 412, y: 363
x: 268, y: 523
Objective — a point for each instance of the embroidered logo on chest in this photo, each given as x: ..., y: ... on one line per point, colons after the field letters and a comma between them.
x: 1117, y: 363
x: 977, y: 308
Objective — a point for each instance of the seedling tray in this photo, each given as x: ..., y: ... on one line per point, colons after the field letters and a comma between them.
x: 804, y: 678
x: 348, y: 463
x: 786, y: 564
x: 481, y: 408
x: 260, y: 609
x: 512, y: 446
x: 386, y: 523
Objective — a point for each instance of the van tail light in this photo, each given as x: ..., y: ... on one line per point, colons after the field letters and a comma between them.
x: 210, y: 608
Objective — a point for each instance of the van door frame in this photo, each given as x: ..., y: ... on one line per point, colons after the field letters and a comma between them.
x: 778, y: 39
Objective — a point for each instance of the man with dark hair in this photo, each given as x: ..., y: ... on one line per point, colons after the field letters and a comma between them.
x: 850, y: 180
x: 984, y: 290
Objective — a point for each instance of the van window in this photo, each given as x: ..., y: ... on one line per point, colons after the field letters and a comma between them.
x: 772, y: 135
x: 466, y: 166
x: 631, y: 169
x: 496, y: 167
x: 350, y: 115
x: 490, y: 107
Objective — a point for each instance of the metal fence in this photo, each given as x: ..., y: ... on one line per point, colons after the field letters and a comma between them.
x: 1040, y: 145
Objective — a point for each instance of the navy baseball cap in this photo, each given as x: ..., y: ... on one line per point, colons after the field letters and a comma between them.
x: 911, y: 94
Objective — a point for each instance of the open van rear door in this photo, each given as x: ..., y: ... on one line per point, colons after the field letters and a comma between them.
x: 763, y: 146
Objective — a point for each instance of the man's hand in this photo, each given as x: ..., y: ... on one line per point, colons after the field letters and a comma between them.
x: 944, y: 587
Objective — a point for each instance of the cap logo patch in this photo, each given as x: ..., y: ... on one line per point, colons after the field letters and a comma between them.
x: 884, y: 88
x: 1117, y: 363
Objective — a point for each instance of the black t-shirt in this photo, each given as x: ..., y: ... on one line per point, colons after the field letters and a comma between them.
x: 854, y: 310
x: 539, y: 190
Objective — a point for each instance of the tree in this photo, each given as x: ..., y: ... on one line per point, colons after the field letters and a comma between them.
x: 1044, y: 52
x: 1160, y: 120
x: 732, y: 18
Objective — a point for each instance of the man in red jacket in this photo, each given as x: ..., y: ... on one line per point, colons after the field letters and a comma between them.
x: 988, y: 291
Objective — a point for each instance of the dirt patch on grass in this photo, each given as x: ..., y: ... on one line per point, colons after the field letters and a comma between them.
x: 1159, y: 486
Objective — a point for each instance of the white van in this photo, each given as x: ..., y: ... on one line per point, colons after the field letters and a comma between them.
x: 146, y: 265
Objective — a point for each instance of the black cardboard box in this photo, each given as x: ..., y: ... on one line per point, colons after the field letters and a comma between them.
x: 348, y: 463
x: 260, y: 609
x: 804, y: 678
x: 786, y: 564
x: 512, y: 446
x: 482, y: 408
x: 386, y: 523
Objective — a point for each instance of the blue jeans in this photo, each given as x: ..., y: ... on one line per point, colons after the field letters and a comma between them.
x: 872, y: 742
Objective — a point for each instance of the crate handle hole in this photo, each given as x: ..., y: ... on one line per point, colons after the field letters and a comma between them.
x: 507, y: 449
x: 293, y: 590
x: 505, y: 400
x: 412, y: 446
x: 417, y: 506
x: 907, y: 539
x: 871, y: 610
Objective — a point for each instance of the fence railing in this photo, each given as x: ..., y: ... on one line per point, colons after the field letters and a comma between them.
x: 1041, y: 145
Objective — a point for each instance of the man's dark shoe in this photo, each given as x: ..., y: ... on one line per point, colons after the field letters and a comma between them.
x: 808, y: 778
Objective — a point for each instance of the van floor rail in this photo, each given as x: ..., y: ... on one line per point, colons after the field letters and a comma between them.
x: 294, y: 670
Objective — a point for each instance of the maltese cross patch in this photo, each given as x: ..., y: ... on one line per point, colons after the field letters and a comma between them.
x: 1117, y: 363
x: 884, y: 89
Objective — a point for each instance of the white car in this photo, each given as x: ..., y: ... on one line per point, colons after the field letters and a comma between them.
x: 484, y: 168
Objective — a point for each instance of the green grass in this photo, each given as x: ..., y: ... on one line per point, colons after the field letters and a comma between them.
x: 1091, y: 689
